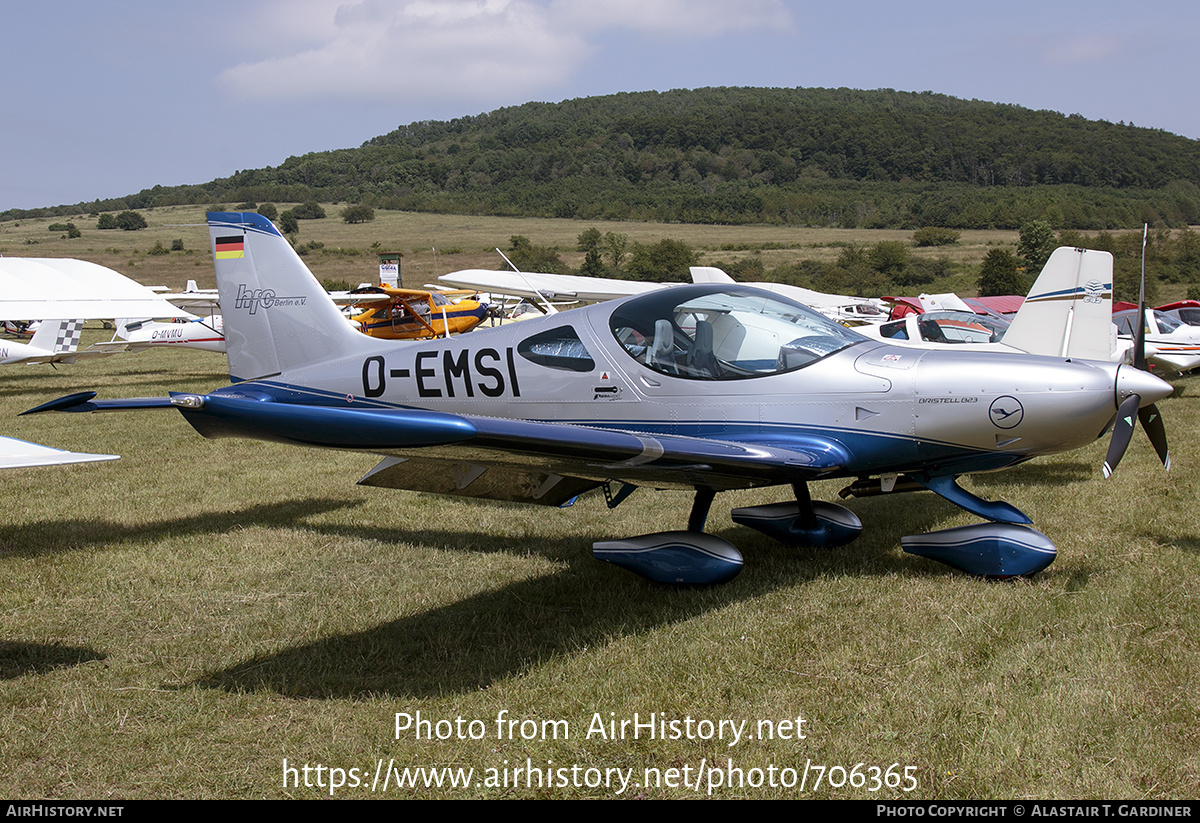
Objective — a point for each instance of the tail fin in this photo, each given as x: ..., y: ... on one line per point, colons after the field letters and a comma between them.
x: 127, y: 325
x: 277, y: 316
x: 1068, y: 312
x: 58, y: 335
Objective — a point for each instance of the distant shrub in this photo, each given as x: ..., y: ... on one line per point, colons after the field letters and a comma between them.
x: 1000, y: 274
x: 1037, y: 241
x: 931, y: 236
x: 249, y: 205
x: 177, y: 245
x: 287, y: 222
x: 107, y: 221
x: 358, y: 214
x: 68, y: 229
x: 157, y: 249
x: 665, y: 260
x: 309, y: 211
x: 130, y: 221
x: 268, y: 211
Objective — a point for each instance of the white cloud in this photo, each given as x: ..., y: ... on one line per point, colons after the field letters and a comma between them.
x: 464, y: 51
x: 421, y: 50
x: 678, y: 18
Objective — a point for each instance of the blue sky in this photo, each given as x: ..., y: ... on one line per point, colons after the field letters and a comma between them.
x: 106, y: 97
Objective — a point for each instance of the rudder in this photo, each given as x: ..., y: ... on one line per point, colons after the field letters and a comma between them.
x: 1068, y: 312
x: 277, y: 316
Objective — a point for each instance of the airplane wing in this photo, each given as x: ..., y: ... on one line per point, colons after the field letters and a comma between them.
x: 551, y: 286
x: 69, y: 357
x: 16, y: 454
x: 51, y: 289
x: 349, y: 298
x: 207, y: 301
x: 203, y: 302
x: 496, y: 458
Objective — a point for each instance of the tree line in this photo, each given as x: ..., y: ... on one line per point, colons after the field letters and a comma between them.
x: 871, y: 159
x: 888, y: 266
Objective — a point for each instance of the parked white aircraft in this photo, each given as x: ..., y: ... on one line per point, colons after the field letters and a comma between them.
x: 189, y: 332
x: 55, y: 341
x: 1176, y: 343
x: 558, y: 287
x: 1068, y: 313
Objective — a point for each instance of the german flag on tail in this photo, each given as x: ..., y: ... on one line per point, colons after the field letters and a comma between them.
x: 228, y: 248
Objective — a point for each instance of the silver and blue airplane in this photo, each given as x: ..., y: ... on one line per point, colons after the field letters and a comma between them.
x: 707, y: 387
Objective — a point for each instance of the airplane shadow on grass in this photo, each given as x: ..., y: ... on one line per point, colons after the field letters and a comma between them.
x: 19, y: 658
x: 467, y: 645
x: 58, y: 536
x: 37, y: 390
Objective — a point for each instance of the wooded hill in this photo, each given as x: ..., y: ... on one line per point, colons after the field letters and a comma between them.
x: 876, y: 159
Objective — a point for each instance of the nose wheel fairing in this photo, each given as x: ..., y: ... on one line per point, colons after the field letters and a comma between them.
x: 996, y: 550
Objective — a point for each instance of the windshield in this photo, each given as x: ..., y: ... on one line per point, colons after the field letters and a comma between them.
x: 724, y: 333
x: 1166, y: 323
x: 962, y: 327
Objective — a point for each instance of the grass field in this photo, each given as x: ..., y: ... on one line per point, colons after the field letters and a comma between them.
x: 185, y: 621
x: 462, y: 242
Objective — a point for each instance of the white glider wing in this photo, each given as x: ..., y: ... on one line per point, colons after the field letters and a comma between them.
x: 548, y: 286
x: 64, y: 289
x: 17, y: 454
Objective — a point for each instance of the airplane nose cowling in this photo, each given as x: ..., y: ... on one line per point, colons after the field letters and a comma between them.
x: 1149, y: 388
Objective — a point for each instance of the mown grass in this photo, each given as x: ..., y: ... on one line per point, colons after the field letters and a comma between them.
x: 177, y: 623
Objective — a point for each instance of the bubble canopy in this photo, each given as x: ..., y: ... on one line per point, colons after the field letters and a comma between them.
x: 724, y: 332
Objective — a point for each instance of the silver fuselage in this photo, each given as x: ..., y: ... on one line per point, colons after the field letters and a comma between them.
x: 894, y: 408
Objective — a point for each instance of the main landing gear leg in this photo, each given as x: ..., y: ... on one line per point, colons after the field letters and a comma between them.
x: 689, y: 558
x: 803, y: 522
x: 700, y: 506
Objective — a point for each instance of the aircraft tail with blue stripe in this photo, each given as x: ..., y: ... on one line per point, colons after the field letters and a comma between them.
x: 277, y: 316
x: 1068, y: 312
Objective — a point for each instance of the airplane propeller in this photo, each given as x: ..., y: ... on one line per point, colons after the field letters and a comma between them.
x: 1150, y: 417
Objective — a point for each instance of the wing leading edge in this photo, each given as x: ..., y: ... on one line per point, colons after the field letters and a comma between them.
x: 510, y: 459
x: 495, y: 458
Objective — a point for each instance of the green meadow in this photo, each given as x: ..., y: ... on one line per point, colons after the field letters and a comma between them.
x: 233, y: 619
